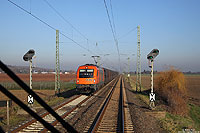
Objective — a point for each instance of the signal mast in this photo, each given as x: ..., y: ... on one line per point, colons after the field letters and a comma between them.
x: 151, y: 56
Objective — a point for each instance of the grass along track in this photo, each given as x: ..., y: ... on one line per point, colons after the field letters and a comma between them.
x: 174, y: 123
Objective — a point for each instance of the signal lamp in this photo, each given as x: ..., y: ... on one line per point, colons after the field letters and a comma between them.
x: 150, y: 57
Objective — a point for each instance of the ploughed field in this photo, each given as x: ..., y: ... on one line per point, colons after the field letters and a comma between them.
x: 192, y: 85
x: 43, y: 84
x: 39, y: 77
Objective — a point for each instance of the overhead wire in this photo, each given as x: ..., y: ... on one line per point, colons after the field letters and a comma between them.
x: 112, y: 29
x: 67, y: 21
x: 59, y: 14
x: 128, y: 33
x: 112, y: 17
x: 53, y: 28
x: 113, y: 33
x: 49, y: 25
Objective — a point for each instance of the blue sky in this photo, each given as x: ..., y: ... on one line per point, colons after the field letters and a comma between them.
x: 172, y: 26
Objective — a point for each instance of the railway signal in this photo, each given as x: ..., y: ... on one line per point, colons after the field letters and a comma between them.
x: 151, y: 56
x: 28, y: 57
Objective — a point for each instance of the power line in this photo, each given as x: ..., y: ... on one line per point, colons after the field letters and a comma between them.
x: 59, y: 14
x: 53, y: 28
x: 49, y: 25
x: 115, y: 31
x: 128, y: 33
x: 109, y: 20
x: 32, y: 15
x: 112, y: 17
x: 64, y: 19
x: 112, y: 30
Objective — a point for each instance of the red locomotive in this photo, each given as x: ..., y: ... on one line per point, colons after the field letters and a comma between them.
x: 91, y: 77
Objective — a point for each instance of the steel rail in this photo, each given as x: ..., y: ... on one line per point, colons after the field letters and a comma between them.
x: 27, y: 109
x: 121, y: 109
x: 66, y: 113
x: 12, y: 75
x: 100, y: 114
x: 74, y: 108
x: 42, y: 116
x: 68, y: 127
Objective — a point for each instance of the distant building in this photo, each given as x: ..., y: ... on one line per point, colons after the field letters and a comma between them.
x: 44, y: 72
x: 66, y: 72
x: 35, y: 72
x: 52, y: 72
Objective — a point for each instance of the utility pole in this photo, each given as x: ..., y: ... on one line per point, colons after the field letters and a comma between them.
x: 133, y: 61
x: 128, y: 66
x: 138, y: 74
x: 57, y: 71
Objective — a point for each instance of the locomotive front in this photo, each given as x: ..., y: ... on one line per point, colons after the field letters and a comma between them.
x: 87, y: 78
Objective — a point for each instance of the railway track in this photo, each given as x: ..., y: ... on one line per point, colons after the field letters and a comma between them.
x: 35, y: 126
x: 113, y: 116
x: 66, y: 110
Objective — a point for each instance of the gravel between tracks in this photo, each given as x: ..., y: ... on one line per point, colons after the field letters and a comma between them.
x: 87, y: 112
x: 142, y: 122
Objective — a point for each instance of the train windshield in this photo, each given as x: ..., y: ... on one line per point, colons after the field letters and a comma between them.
x: 86, y: 73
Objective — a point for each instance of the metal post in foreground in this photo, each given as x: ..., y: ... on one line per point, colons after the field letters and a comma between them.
x: 152, y: 95
x: 8, y: 123
x: 31, y: 64
x: 28, y: 57
x: 30, y: 98
x: 151, y: 56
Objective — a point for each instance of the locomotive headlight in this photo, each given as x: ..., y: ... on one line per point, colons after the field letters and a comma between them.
x: 94, y: 80
x: 77, y: 80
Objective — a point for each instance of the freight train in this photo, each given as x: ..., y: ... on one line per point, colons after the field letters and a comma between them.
x: 91, y: 77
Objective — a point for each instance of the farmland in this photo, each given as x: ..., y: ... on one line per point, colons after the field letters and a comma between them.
x: 174, y: 122
x: 43, y: 84
x: 39, y: 77
x: 192, y: 85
